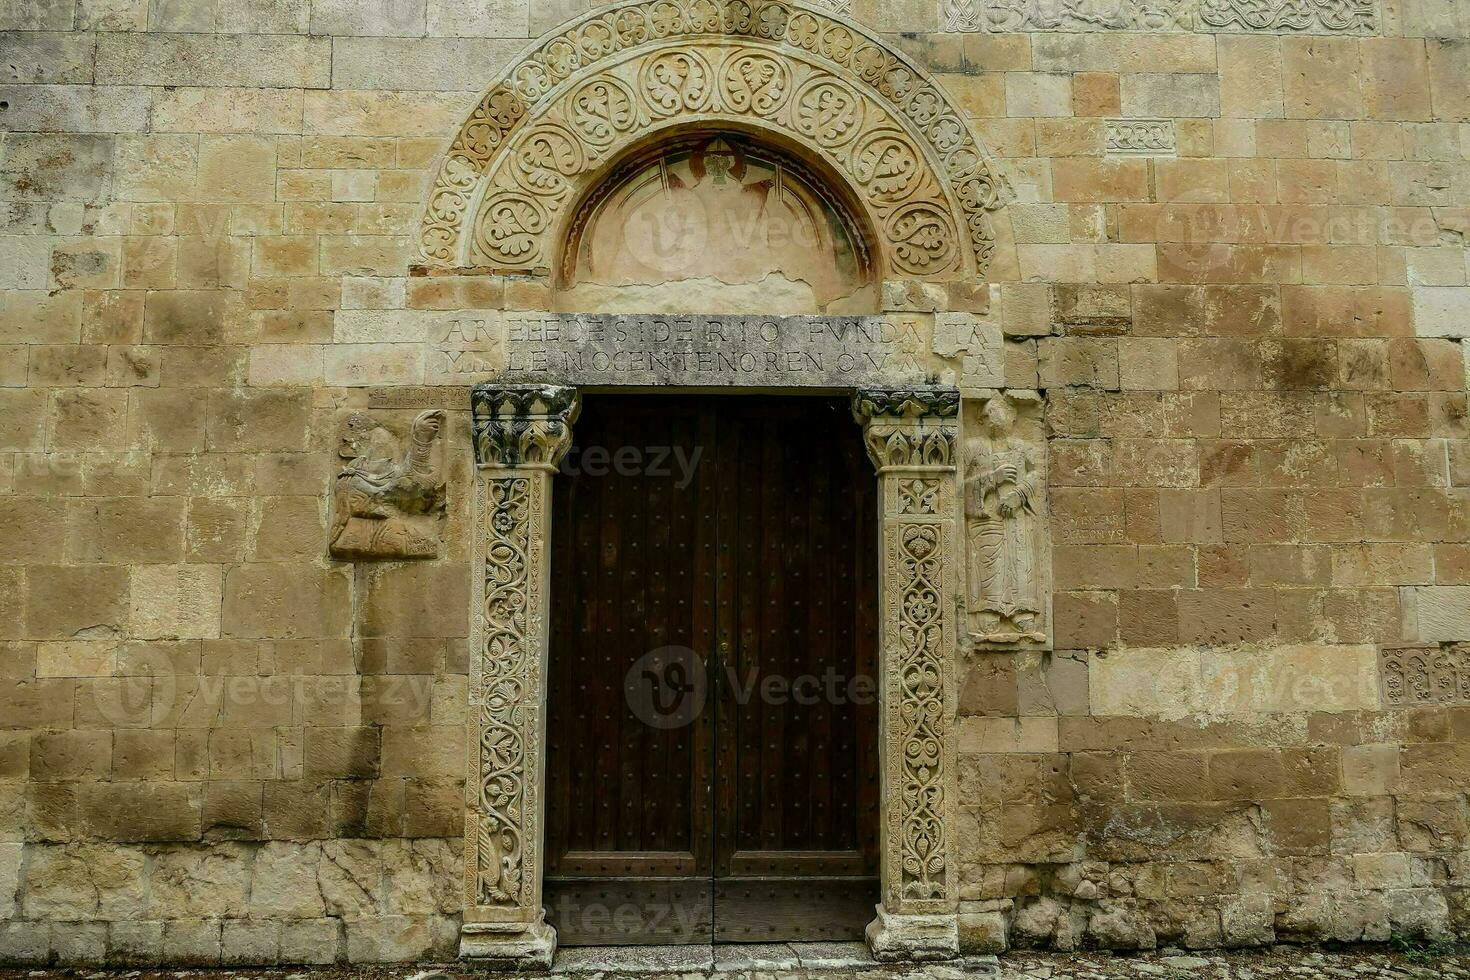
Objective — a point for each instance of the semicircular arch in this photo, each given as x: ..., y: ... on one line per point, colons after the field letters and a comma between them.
x: 542, y: 135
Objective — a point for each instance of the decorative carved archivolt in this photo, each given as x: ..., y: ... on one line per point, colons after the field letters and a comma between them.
x: 541, y: 136
x: 1006, y: 539
x: 911, y: 435
x: 387, y: 501
x: 520, y: 436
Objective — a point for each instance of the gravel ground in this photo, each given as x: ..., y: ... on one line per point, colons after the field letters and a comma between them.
x: 1280, y: 963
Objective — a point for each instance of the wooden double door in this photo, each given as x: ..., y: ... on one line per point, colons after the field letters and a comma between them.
x: 712, y: 737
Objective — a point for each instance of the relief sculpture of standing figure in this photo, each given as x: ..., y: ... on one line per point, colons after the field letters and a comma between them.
x: 1002, y: 492
x: 384, y: 505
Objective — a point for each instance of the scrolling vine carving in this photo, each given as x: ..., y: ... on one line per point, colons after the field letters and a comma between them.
x: 911, y: 437
x: 560, y: 115
x: 520, y: 436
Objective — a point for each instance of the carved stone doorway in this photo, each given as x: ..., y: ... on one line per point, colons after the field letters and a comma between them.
x: 521, y: 435
x: 712, y: 732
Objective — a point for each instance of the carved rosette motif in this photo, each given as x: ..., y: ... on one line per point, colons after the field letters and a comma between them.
x: 612, y: 77
x: 520, y: 435
x: 1425, y: 675
x: 911, y: 435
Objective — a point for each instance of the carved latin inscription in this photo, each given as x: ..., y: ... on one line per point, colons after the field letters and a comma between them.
x: 1005, y: 521
x: 386, y: 503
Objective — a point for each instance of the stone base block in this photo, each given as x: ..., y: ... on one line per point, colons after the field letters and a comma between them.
x: 506, y: 947
x: 913, y: 938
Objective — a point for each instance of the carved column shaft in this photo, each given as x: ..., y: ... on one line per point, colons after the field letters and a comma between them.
x: 911, y: 435
x: 520, y: 435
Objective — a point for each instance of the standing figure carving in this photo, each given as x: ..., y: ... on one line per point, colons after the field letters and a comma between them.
x: 386, y: 504
x: 1004, y: 491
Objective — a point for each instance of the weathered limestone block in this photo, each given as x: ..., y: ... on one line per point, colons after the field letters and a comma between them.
x: 350, y: 876
x: 244, y: 942
x: 1120, y: 925
x: 10, y: 861
x: 83, y: 881
x: 313, y: 941
x: 983, y: 932
x: 25, y: 943
x: 175, y: 601
x: 387, y: 502
x: 79, y: 943
x: 192, y: 942
x: 1248, y: 920
x: 135, y: 942
x: 423, y: 876
x: 285, y: 883
x: 258, y: 60
x: 389, y: 938
x: 188, y: 882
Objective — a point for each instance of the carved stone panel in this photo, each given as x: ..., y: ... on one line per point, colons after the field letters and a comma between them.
x: 1140, y: 138
x: 1212, y: 16
x: 1007, y: 542
x: 520, y: 435
x: 911, y: 435
x: 1425, y: 675
x: 387, y: 502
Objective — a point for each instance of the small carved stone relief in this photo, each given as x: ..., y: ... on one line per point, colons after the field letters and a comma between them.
x: 1206, y: 16
x: 1425, y: 675
x: 388, y: 499
x: 1140, y: 138
x: 1005, y: 521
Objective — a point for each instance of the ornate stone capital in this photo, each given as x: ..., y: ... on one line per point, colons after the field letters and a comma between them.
x: 909, y: 428
x: 523, y: 427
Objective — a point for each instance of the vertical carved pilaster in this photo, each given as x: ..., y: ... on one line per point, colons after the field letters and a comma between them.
x: 911, y: 435
x: 520, y: 435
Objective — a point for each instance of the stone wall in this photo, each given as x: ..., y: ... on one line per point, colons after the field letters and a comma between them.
x: 1232, y: 257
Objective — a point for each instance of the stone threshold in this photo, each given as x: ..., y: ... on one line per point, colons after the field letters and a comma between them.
x: 745, y: 957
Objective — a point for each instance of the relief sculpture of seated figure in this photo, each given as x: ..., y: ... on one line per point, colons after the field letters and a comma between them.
x: 385, y: 504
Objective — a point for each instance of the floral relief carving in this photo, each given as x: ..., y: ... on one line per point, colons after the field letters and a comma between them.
x: 613, y: 74
x: 911, y: 435
x: 520, y: 435
x: 505, y: 683
x: 1412, y: 676
x: 1207, y: 16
